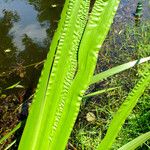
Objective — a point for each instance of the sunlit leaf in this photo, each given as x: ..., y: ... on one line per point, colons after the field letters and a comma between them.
x: 132, y: 145
x: 99, y: 92
x: 124, y: 111
x: 103, y: 75
x: 10, y: 133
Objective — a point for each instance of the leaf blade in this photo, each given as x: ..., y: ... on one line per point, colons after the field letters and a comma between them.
x: 124, y: 111
x: 99, y: 92
x: 117, y: 69
x: 132, y: 145
x: 10, y: 133
x: 86, y: 63
x: 43, y: 112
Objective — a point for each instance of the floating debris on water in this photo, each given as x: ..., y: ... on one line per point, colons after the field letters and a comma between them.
x: 7, y: 50
x: 54, y: 5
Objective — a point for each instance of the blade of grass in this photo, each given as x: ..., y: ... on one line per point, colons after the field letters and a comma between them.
x: 16, y: 85
x: 10, y: 133
x: 100, y: 92
x: 115, y: 70
x: 132, y: 145
x: 10, y: 145
x: 124, y: 111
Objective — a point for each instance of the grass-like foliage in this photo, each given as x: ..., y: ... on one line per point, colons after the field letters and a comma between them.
x: 136, y: 142
x: 67, y: 72
x: 124, y: 112
x: 98, y: 77
x: 103, y: 75
x: 10, y: 133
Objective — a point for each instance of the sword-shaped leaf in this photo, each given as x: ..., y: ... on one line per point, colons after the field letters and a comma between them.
x: 124, y: 111
x: 135, y: 143
x: 103, y: 75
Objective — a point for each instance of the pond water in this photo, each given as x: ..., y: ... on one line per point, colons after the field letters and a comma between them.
x: 26, y: 29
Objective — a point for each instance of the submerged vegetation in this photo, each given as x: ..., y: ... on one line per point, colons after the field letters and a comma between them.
x: 61, y: 89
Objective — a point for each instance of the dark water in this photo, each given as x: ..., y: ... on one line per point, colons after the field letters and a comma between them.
x: 26, y: 29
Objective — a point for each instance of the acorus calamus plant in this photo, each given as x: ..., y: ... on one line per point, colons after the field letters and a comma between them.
x: 67, y: 74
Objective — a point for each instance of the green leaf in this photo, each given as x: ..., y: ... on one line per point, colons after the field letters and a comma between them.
x: 10, y: 133
x: 16, y: 85
x: 124, y: 111
x: 93, y: 37
x: 56, y: 78
x: 100, y: 92
x: 132, y: 145
x: 67, y: 73
x: 115, y: 70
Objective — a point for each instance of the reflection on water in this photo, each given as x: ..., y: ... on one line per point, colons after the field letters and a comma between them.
x: 6, y: 40
x: 127, y: 9
x: 26, y: 28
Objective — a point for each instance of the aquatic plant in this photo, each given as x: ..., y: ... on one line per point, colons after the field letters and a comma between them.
x: 132, y: 145
x: 67, y: 74
x: 124, y: 111
x: 96, y: 78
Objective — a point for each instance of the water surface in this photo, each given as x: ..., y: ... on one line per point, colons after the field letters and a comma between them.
x: 26, y: 30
